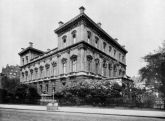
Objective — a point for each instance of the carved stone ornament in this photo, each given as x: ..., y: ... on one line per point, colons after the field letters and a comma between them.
x: 47, y: 66
x: 104, y: 64
x: 64, y: 60
x: 36, y: 69
x: 54, y: 64
x: 73, y: 57
x: 26, y: 73
x: 97, y: 61
x: 89, y: 57
x: 31, y: 71
x: 41, y: 68
x: 110, y: 66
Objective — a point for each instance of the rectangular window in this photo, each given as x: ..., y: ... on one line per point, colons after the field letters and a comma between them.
x: 22, y: 61
x: 110, y: 48
x: 89, y: 66
x: 114, y: 52
x: 96, y: 42
x: 119, y: 56
x: 26, y: 59
x: 64, y: 68
x: 104, y: 46
x: 64, y: 40
x: 123, y: 58
x: 74, y: 65
x: 89, y: 36
x: 54, y: 71
x: 74, y: 40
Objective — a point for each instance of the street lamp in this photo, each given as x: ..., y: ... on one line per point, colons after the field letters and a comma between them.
x: 53, y: 91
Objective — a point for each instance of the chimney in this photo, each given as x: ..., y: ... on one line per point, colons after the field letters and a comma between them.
x: 99, y: 24
x: 82, y: 9
x: 123, y: 46
x: 60, y: 23
x: 30, y: 44
x: 22, y: 49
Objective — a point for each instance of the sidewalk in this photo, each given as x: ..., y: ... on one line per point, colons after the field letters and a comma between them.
x: 101, y: 111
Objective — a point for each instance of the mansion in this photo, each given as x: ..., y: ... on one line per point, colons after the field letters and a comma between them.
x: 84, y: 51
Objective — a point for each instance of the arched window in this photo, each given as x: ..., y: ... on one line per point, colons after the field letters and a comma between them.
x: 110, y: 48
x: 74, y: 63
x: 74, y: 36
x: 114, y: 70
x: 36, y: 72
x: 31, y: 74
x: 123, y: 73
x: 123, y: 58
x: 110, y: 69
x: 89, y: 63
x: 22, y: 61
x: 114, y: 52
x: 64, y: 62
x: 41, y: 71
x: 27, y: 59
x: 64, y: 40
x: 97, y: 66
x: 104, y: 68
x: 104, y: 46
x: 96, y: 42
x: 89, y: 36
x: 119, y: 56
x: 54, y: 70
x: 47, y: 69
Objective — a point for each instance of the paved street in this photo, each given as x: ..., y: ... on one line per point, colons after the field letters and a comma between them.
x: 32, y: 115
x: 93, y: 110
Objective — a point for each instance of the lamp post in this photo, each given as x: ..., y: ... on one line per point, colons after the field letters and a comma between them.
x: 53, y: 92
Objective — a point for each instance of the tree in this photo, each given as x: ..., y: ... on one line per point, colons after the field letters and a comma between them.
x: 9, y: 84
x: 26, y: 94
x: 154, y: 71
x: 97, y: 92
x: 14, y: 92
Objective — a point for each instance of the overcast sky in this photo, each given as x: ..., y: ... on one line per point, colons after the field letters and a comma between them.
x: 138, y: 24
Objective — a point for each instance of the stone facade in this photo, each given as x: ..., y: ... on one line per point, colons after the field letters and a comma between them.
x: 85, y: 51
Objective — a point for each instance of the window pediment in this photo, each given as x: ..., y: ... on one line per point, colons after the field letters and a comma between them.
x: 97, y: 61
x: 47, y: 66
x: 73, y: 57
x: 41, y: 68
x: 89, y: 57
x: 26, y: 73
x: 36, y: 69
x: 74, y: 32
x: 64, y: 60
x: 54, y: 64
x: 104, y: 64
x: 31, y: 71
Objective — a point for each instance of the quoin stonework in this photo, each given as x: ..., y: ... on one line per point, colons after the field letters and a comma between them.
x: 85, y: 52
